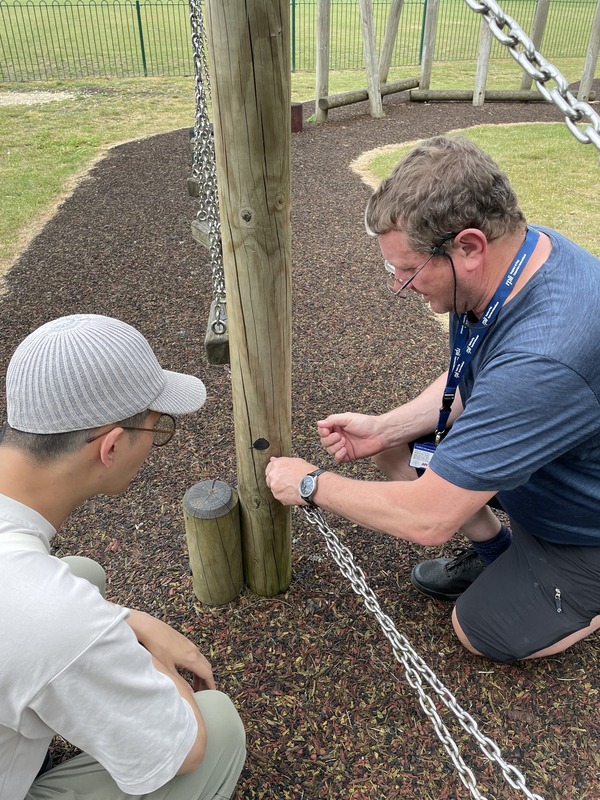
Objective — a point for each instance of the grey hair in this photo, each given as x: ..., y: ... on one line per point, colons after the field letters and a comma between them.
x: 442, y: 186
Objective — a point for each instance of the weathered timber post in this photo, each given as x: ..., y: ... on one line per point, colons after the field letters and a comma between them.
x: 322, y: 57
x: 212, y: 530
x: 431, y: 14
x: 389, y: 39
x: 249, y: 55
x: 483, y: 61
x: 371, y: 63
x: 537, y: 33
x: 591, y: 59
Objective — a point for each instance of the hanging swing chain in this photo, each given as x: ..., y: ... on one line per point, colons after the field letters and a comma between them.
x: 416, y: 669
x: 541, y: 71
x: 204, y: 164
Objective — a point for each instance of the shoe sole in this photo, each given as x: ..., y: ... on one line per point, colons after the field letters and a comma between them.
x: 432, y: 593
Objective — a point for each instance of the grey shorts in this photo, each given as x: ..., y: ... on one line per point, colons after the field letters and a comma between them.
x: 535, y: 594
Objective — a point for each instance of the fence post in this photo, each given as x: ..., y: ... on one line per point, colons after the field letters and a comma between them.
x: 141, y: 33
x: 423, y: 18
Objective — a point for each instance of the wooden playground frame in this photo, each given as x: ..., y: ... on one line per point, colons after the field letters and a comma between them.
x: 249, y: 49
x: 377, y: 69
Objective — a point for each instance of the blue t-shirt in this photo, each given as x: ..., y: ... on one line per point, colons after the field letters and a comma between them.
x: 530, y: 428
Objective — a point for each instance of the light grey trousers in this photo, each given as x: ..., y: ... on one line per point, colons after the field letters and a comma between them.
x: 83, y: 778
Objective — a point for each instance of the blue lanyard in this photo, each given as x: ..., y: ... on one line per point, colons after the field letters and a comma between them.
x: 468, y: 338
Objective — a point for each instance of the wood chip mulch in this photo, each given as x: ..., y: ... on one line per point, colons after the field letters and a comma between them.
x: 327, y: 710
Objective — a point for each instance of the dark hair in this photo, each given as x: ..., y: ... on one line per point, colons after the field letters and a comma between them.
x: 442, y: 186
x: 44, y: 447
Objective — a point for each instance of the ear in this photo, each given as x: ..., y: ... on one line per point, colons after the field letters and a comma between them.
x: 472, y: 244
x: 109, y: 445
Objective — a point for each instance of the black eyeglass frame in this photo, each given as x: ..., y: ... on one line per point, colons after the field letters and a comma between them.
x: 170, y: 432
x: 436, y: 250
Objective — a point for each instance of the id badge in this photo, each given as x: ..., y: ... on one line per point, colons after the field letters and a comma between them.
x: 421, y: 455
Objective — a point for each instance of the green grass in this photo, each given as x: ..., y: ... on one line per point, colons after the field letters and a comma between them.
x: 44, y: 41
x: 555, y: 178
x: 43, y: 146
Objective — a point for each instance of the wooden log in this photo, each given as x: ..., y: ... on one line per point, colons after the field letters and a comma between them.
x: 249, y: 57
x: 358, y: 95
x: 499, y: 95
x: 212, y: 529
x: 322, y: 61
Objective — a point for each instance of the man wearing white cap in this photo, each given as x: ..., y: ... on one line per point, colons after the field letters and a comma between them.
x: 86, y: 400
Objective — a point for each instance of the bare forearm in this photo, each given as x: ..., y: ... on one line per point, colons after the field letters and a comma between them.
x: 419, y: 416
x: 389, y: 507
x: 196, y: 755
x: 427, y: 511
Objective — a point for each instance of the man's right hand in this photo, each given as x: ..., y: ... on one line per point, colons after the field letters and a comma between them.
x: 348, y: 437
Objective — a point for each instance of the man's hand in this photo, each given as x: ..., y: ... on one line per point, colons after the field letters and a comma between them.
x: 283, y: 476
x: 171, y: 649
x: 348, y: 437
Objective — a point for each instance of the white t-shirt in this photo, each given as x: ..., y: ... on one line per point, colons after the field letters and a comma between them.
x: 70, y: 664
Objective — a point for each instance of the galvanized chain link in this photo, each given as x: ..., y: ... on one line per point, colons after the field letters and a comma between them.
x: 541, y: 71
x: 416, y: 670
x: 204, y: 168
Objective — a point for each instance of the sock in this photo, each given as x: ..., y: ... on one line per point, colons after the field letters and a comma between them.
x: 490, y: 550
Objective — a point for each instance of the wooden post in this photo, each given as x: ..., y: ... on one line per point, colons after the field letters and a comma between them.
x: 428, y: 43
x: 212, y: 529
x: 585, y: 87
x: 389, y: 39
x: 249, y: 49
x: 485, y: 45
x: 322, y: 65
x: 537, y: 32
x: 370, y: 51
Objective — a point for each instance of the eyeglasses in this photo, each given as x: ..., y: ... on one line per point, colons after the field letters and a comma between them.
x: 392, y: 281
x: 163, y: 431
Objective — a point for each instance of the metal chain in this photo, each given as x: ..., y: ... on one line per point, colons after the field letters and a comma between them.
x: 541, y: 71
x: 416, y: 670
x: 204, y: 165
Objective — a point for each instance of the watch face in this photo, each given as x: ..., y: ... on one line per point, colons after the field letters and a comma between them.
x: 307, y: 486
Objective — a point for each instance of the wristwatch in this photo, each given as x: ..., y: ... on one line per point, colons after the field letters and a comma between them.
x: 308, y: 486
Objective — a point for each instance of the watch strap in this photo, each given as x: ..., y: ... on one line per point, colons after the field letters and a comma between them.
x: 315, y: 473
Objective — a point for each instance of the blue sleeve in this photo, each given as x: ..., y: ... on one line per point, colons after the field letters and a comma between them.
x: 525, y: 411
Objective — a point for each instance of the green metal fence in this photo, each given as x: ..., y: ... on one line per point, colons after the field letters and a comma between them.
x: 42, y: 40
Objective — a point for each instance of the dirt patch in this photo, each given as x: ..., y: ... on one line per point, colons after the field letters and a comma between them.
x: 326, y: 707
x: 32, y: 98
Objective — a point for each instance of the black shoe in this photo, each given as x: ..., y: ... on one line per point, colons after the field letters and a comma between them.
x: 448, y: 578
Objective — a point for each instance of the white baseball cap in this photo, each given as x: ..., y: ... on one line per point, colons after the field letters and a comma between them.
x: 87, y: 370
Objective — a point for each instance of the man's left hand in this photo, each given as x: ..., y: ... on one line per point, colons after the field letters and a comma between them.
x: 171, y: 648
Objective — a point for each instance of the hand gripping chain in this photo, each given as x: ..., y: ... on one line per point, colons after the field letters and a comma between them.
x: 415, y: 670
x: 541, y: 71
